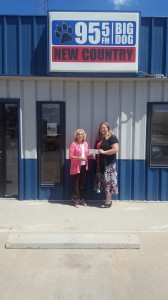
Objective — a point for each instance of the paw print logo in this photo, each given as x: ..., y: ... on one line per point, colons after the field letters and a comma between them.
x: 64, y: 33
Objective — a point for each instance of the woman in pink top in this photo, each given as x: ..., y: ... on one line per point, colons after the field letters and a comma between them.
x: 78, y: 154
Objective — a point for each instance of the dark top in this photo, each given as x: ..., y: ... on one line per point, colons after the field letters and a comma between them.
x: 105, y: 160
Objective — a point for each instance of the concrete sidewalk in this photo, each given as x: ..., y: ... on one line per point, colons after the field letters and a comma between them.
x: 86, y: 274
x: 45, y: 217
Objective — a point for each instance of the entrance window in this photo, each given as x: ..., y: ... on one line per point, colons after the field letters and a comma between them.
x: 50, y: 142
x: 8, y: 149
x: 157, y: 137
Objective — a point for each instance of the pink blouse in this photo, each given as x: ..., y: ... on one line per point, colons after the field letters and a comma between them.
x: 75, y: 150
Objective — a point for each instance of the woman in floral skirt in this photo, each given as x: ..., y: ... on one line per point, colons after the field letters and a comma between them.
x: 106, y: 175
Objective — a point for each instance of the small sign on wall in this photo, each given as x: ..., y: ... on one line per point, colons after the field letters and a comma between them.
x: 51, y: 129
x: 93, y: 41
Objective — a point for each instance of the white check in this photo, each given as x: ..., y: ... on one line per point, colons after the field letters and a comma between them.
x: 93, y: 151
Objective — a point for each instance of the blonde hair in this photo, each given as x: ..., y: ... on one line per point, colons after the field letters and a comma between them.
x: 80, y: 130
x: 108, y: 134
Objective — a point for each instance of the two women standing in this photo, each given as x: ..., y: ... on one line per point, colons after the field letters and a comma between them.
x: 106, y: 176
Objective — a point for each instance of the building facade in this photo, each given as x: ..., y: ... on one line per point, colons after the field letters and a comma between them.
x: 39, y: 113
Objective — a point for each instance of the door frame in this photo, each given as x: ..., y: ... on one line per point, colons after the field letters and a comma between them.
x: 55, y: 190
x: 13, y: 101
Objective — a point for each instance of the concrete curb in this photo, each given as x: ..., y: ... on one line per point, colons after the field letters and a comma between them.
x: 72, y: 241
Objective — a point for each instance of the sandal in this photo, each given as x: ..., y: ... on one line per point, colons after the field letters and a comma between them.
x: 76, y: 203
x: 106, y: 205
x: 83, y: 202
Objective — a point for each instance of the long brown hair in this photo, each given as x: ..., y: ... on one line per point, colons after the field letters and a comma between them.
x: 108, y: 134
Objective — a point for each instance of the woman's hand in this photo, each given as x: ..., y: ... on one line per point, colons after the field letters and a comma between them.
x: 101, y: 151
x: 82, y: 158
x: 92, y: 156
x: 113, y: 150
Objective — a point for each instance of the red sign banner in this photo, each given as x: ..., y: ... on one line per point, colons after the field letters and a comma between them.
x: 94, y: 54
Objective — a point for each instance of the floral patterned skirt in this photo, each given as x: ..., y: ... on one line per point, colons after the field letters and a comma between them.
x: 106, y: 182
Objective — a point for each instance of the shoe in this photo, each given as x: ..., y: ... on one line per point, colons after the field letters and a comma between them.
x: 76, y: 204
x: 106, y: 205
x: 83, y: 202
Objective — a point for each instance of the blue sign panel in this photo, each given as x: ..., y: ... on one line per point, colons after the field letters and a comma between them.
x: 100, y: 33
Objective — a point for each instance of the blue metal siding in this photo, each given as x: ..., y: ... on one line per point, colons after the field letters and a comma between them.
x: 154, y: 46
x: 164, y: 184
x: 10, y: 46
x: 136, y: 182
x: 145, y: 40
x: 40, y: 46
x: 29, y: 187
x: 158, y: 46
x: 1, y: 48
x: 23, y: 45
x: 166, y: 50
x: 27, y: 50
x: 28, y: 179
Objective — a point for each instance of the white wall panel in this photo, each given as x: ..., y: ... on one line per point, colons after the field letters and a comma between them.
x: 43, y: 90
x: 113, y: 106
x: 29, y: 120
x: 165, y: 91
x: 139, y: 138
x: 72, y: 107
x: 3, y: 89
x: 126, y: 120
x: 85, y: 111
x: 57, y: 90
x: 15, y: 88
x: 99, y: 105
x: 155, y: 91
x: 123, y: 103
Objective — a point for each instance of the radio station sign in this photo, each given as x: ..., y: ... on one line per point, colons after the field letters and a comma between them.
x: 93, y: 42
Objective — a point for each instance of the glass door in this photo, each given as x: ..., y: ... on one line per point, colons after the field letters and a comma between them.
x: 51, y: 134
x: 8, y: 149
